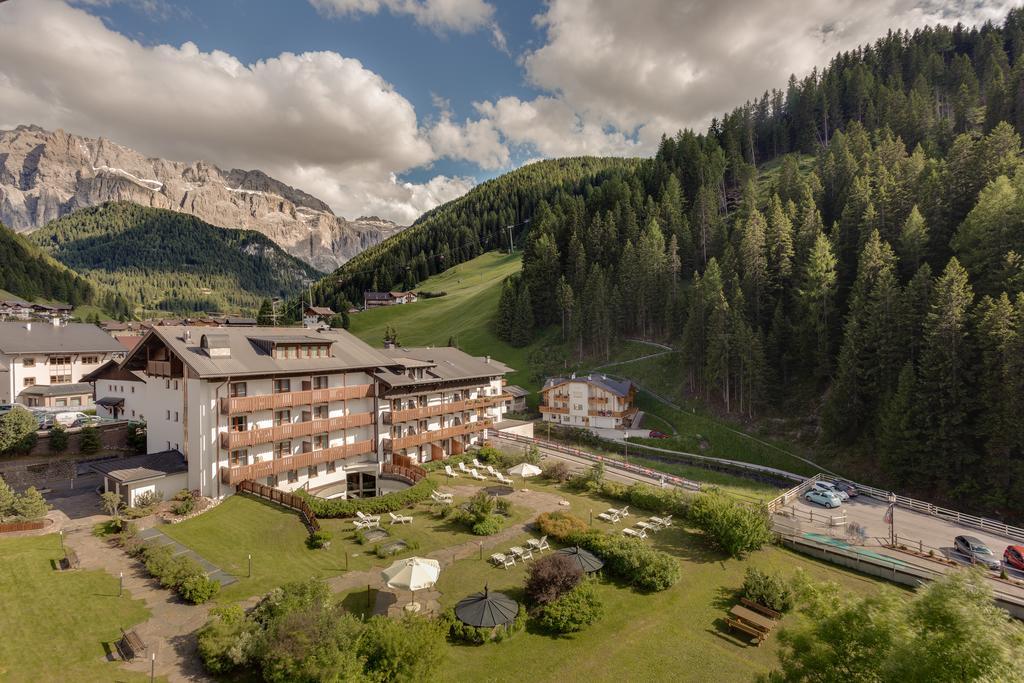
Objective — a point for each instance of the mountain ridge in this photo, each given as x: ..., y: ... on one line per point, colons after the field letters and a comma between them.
x: 45, y: 175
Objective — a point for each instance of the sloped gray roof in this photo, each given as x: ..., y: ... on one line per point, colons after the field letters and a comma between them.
x: 442, y: 364
x: 617, y: 387
x: 57, y: 389
x: 142, y: 467
x: 516, y: 391
x: 347, y: 352
x: 43, y: 337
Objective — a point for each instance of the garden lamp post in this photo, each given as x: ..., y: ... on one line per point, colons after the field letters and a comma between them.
x: 250, y: 565
x: 62, y: 551
x: 120, y: 584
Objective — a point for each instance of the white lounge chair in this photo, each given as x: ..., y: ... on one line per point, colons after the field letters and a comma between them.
x: 476, y: 475
x: 491, y: 471
x: 400, y: 519
x: 367, y: 518
x: 504, y: 480
x: 539, y: 545
x: 624, y: 512
x: 442, y: 497
x: 629, y: 531
x: 503, y: 560
x: 662, y: 522
x: 647, y: 526
x: 476, y: 463
x: 523, y: 554
x: 450, y: 472
x: 610, y: 517
x: 463, y: 468
x: 366, y: 523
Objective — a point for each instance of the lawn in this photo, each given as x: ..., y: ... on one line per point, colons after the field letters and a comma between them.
x: 55, y: 624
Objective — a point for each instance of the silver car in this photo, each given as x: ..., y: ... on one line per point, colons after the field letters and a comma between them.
x: 976, y: 551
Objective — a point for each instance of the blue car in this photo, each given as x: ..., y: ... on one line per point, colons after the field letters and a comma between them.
x: 824, y: 498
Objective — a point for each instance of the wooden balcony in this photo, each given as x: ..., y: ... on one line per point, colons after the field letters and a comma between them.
x: 607, y: 413
x: 397, y: 444
x: 443, y: 408
x: 554, y: 409
x: 268, y: 468
x: 289, y: 399
x: 252, y: 437
x: 158, y: 368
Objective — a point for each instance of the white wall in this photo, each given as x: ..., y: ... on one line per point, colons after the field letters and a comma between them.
x: 14, y: 370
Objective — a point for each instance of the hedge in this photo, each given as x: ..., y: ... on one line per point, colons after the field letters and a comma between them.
x: 464, y: 633
x: 179, y: 573
x: 390, y: 502
x: 665, y: 501
x: 631, y: 559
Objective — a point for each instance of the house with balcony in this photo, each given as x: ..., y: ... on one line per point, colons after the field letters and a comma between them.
x: 377, y: 299
x: 43, y: 364
x: 436, y: 402
x: 285, y: 407
x: 588, y: 401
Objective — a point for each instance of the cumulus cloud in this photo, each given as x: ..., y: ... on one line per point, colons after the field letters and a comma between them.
x: 441, y: 16
x: 617, y: 75
x: 318, y: 120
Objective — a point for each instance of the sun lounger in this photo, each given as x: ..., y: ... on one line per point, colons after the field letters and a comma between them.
x: 539, y: 545
x: 610, y: 517
x: 476, y: 463
x: 400, y: 519
x: 463, y: 468
x: 635, y: 533
x: 624, y: 512
x: 366, y: 524
x: 522, y: 553
x: 503, y: 560
x: 647, y: 526
x: 476, y: 475
x: 367, y: 518
x: 450, y: 472
x: 662, y: 522
x: 504, y: 480
x: 491, y: 471
x: 442, y: 497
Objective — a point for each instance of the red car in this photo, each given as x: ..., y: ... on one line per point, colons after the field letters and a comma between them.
x: 657, y: 435
x: 1014, y: 556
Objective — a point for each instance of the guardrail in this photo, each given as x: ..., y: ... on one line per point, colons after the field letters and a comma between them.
x: 288, y: 500
x: 960, y: 518
x: 783, y: 499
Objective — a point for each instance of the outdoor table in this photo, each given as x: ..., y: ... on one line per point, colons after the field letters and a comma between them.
x: 751, y: 617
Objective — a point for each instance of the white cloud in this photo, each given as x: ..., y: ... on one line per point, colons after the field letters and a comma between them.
x: 617, y: 74
x: 475, y: 141
x: 441, y: 16
x: 318, y: 120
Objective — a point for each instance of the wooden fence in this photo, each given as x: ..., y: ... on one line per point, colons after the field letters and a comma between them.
x: 410, y: 474
x: 288, y: 500
x: 22, y: 526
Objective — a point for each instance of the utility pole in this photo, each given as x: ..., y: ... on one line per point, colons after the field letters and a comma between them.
x: 273, y: 310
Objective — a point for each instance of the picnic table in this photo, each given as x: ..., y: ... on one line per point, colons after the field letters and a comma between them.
x: 750, y: 622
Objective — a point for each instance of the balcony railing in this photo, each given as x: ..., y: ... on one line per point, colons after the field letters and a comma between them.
x: 269, y: 468
x: 554, y: 409
x: 427, y: 436
x: 293, y: 430
x: 288, y: 399
x: 607, y: 413
x: 158, y: 368
x: 443, y: 408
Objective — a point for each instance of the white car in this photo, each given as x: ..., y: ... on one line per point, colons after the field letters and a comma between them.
x: 831, y: 488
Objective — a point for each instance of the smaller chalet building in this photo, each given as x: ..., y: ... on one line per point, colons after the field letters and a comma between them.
x: 377, y: 299
x: 588, y: 401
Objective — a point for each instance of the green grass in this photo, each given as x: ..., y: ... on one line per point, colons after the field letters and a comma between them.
x: 55, y: 624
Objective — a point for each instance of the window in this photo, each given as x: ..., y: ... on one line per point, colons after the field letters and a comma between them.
x: 293, y: 476
x: 175, y: 415
x: 175, y: 385
x: 90, y: 360
x: 330, y: 467
x: 167, y: 384
x: 76, y: 401
x: 312, y: 471
x: 239, y: 423
x: 30, y: 381
x: 28, y: 362
x: 282, y: 417
x: 168, y: 415
x: 282, y: 386
x: 282, y: 449
x: 133, y: 413
x: 320, y: 412
x: 61, y: 403
x: 320, y: 382
x: 238, y: 389
x: 320, y: 442
x: 133, y: 390
x: 239, y: 457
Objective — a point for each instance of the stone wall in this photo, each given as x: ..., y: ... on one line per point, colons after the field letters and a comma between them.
x: 113, y: 436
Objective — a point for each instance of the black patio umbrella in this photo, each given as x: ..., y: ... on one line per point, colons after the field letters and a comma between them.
x: 586, y: 560
x: 487, y: 609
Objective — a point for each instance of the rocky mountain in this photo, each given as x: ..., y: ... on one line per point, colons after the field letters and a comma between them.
x: 45, y: 175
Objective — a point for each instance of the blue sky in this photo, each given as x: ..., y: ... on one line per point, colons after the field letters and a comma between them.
x: 390, y: 107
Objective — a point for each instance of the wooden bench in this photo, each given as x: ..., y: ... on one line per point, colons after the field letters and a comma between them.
x: 70, y: 560
x: 757, y: 607
x: 758, y: 635
x: 130, y: 646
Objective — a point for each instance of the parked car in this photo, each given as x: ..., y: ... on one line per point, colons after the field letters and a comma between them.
x: 831, y: 488
x: 655, y: 434
x: 1013, y: 556
x: 829, y: 499
x: 847, y: 487
x: 976, y: 551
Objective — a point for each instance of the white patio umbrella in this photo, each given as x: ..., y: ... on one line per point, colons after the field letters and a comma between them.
x: 524, y: 470
x: 413, y: 574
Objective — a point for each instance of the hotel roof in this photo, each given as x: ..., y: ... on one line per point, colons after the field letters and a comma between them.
x: 441, y: 364
x: 44, y: 337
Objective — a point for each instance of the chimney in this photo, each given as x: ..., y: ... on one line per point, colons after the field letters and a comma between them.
x: 55, y: 321
x: 28, y: 327
x: 487, y: 359
x: 389, y: 344
x: 187, y: 336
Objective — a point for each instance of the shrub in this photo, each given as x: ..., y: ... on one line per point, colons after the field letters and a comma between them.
x: 561, y: 525
x: 198, y: 588
x: 549, y: 578
x: 149, y: 499
x: 490, y: 455
x: 766, y: 589
x: 474, y: 635
x: 225, y: 642
x: 411, y: 649
x: 157, y: 560
x: 632, y: 560
x: 737, y: 529
x: 137, y: 437
x: 89, y: 440
x: 556, y: 470
x: 183, y: 494
x: 389, y: 502
x: 503, y: 507
x: 18, y: 430
x: 30, y: 505
x: 319, y: 539
x: 572, y: 612
x: 491, y: 524
x: 58, y: 439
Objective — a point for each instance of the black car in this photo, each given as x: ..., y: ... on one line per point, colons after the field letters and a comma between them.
x: 976, y: 551
x: 846, y: 487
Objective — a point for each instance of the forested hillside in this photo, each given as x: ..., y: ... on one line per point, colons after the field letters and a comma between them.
x: 29, y: 273
x: 162, y: 260
x: 875, y: 285
x: 462, y: 229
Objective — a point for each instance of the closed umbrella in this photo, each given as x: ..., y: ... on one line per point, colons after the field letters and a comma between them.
x: 524, y: 470
x: 586, y: 560
x: 487, y: 609
x: 413, y: 574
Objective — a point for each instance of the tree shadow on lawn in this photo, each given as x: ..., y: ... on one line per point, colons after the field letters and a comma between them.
x: 358, y: 604
x: 689, y: 546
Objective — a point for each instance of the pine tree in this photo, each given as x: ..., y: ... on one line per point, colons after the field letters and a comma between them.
x: 754, y: 260
x: 899, y: 437
x: 506, y: 318
x: 565, y: 298
x: 913, y: 241
x: 541, y: 273
x: 780, y: 246
x: 265, y: 316
x: 522, y: 327
x: 816, y: 295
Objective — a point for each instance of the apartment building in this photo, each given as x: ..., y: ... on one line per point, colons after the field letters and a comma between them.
x: 117, y: 393
x: 588, y: 401
x: 437, y: 401
x: 42, y: 364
